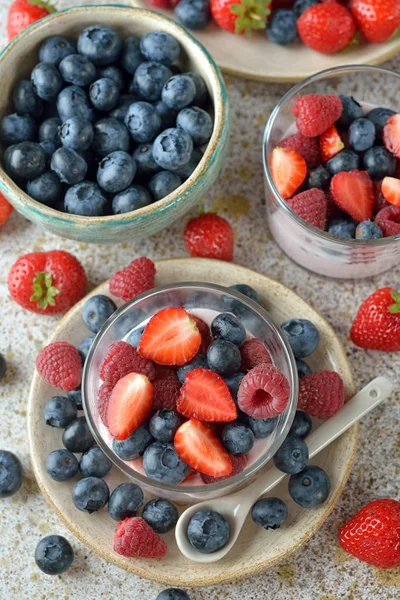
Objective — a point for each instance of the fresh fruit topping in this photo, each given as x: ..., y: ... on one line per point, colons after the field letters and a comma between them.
x: 302, y: 336
x: 288, y: 170
x: 134, y: 446
x: 201, y: 449
x: 353, y: 192
x: 77, y: 436
x: 160, y: 514
x: 47, y: 282
x: 59, y: 364
x: 352, y: 110
x: 162, y: 463
x: 228, y: 327
x: 164, y: 424
x: 264, y: 392
x: 129, y: 405
x: 125, y: 501
x: 301, y: 425
x: 208, y: 531
x: 94, y: 463
x: 391, y: 135
x: 302, y: 368
x: 330, y: 143
x: 307, y: 147
x: 136, y: 278
x: 376, y: 19
x: 292, y: 456
x: 380, y: 201
x: 240, y: 16
x: 23, y: 13
x: 361, y: 134
x: 315, y: 113
x: 96, y: 310
x: 224, y: 358
x: 343, y: 228
x: 204, y: 332
x: 59, y: 411
x: 321, y: 394
x: 379, y: 116
x: 166, y: 388
x: 254, y: 353
x: 5, y: 209
x: 205, y: 396
x: 310, y: 487
x: 388, y: 219
x: 368, y: 230
x: 170, y: 338
x: 373, y: 534
x: 379, y: 163
x: 239, y: 464
x: 346, y: 160
x: 134, y: 538
x: 193, y: 14
x: 103, y: 401
x: 269, y: 513
x: 209, y: 236
x: 311, y: 206
x: 237, y: 438
x: 281, y: 28
x: 318, y: 178
x: 377, y: 323
x: 262, y: 428
x: 326, y: 28
x: 121, y: 359
x: 391, y: 190
x: 54, y: 555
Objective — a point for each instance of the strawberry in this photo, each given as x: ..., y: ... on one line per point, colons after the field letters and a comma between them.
x: 129, y: 405
x: 264, y: 392
x: 391, y: 135
x: 205, y: 396
x: 330, y: 143
x: 288, y: 170
x: 373, y: 534
x: 327, y: 27
x: 321, y: 394
x: 391, y: 190
x: 307, y: 147
x: 201, y: 449
x: 60, y: 365
x: 5, y: 209
x: 209, y: 236
x: 136, y: 278
x: 239, y: 463
x: 377, y: 323
x: 315, y: 113
x: 170, y: 338
x: 240, y: 16
x: 25, y: 12
x: 388, y: 219
x: 311, y: 206
x: 134, y: 538
x: 353, y: 192
x: 376, y: 19
x: 47, y: 282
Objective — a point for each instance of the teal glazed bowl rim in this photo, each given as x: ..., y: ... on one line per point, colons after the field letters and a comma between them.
x: 218, y: 92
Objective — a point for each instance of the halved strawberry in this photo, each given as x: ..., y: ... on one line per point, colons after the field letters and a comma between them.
x: 205, y: 396
x: 353, y: 192
x: 288, y: 170
x: 171, y: 337
x: 391, y: 135
x: 391, y: 190
x: 330, y: 143
x: 201, y: 449
x: 130, y: 404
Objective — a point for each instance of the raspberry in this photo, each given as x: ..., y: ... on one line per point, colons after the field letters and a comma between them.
x: 380, y: 201
x: 166, y: 388
x: 136, y: 278
x: 332, y: 210
x: 134, y: 538
x: 321, y: 394
x: 238, y: 465
x: 311, y: 206
x: 103, y: 400
x: 264, y: 392
x: 388, y: 219
x: 121, y: 359
x: 59, y: 364
x: 315, y: 113
x: 307, y: 147
x: 254, y: 353
x: 204, y: 332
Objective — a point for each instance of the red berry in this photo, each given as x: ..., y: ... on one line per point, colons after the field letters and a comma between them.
x: 209, y: 236
x: 240, y: 16
x: 311, y: 206
x: 327, y: 27
x: 307, y: 147
x: 380, y: 201
x: 353, y: 192
x: 254, y: 353
x: 134, y: 538
x: 163, y: 3
x: 103, y: 401
x: 166, y: 388
x: 136, y: 278
x: 60, y: 365
x: 288, y: 170
x: 23, y: 13
x: 264, y: 392
x: 373, y: 534
x: 391, y: 135
x: 205, y: 396
x: 391, y: 190
x: 321, y: 394
x: 315, y: 113
x: 121, y: 359
x: 376, y: 19
x: 5, y: 209
x: 239, y: 464
x: 330, y: 143
x: 130, y: 404
x: 388, y: 219
x: 204, y: 332
x: 377, y: 324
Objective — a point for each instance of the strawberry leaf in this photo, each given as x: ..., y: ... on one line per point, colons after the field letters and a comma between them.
x: 43, y: 4
x: 251, y: 14
x: 395, y: 308
x: 44, y: 292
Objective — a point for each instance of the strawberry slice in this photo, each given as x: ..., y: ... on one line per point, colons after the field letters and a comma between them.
x: 288, y: 170
x: 391, y: 135
x: 353, y: 192
x: 330, y: 143
x: 391, y: 190
x: 130, y: 404
x: 201, y: 449
x: 171, y: 337
x: 205, y: 396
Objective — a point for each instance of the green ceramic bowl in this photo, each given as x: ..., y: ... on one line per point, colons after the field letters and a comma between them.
x: 17, y: 61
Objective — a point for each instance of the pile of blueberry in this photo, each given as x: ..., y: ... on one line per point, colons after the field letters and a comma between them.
x: 106, y: 126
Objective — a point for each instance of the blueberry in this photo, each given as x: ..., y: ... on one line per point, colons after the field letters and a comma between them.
x: 164, y: 424
x: 96, y: 311
x: 301, y: 5
x: 46, y: 81
x: 54, y: 555
x: 125, y: 501
x: 367, y: 230
x: 76, y: 397
x: 50, y: 130
x: 73, y: 101
x: 110, y: 135
x: 25, y: 100
x: 163, y: 183
x: 77, y: 133
x: 303, y: 368
x: 77, y: 70
x: 59, y: 411
x: 85, y: 199
x: 224, y: 358
x: 160, y: 46
x: 197, y: 123
x: 121, y: 111
x: 61, y: 465
x: 234, y: 306
x: 45, y: 189
x: 262, y: 428
x: 319, y: 178
x: 143, y: 157
x: 186, y: 170
x: 237, y: 438
x: 115, y: 74
x: 193, y: 14
x: 179, y: 91
x: 379, y: 117
x: 301, y: 425
x: 70, y: 166
x: 26, y: 160
x: 162, y: 463
x: 168, y: 115
x: 269, y: 513
x: 54, y: 49
x: 116, y: 172
x: 100, y: 44
x: 227, y: 327
x: 310, y: 487
x: 342, y: 228
x: 172, y: 149
x: 208, y: 531
x: 134, y: 336
x: 352, y: 110
x: 17, y: 128
x: 104, y: 94
x: 131, y: 56
x: 90, y: 494
x: 77, y: 436
x: 133, y: 198
x: 173, y: 594
x: 3, y: 366
x: 361, y: 134
x: 143, y: 122
x: 282, y: 28
x: 346, y: 160
x: 161, y: 515
x: 198, y: 362
x: 149, y: 80
x: 94, y: 463
x: 379, y: 163
x: 49, y: 148
x: 302, y: 336
x: 134, y: 445
x: 233, y: 382
x: 11, y: 474
x: 85, y: 345
x: 201, y: 96
x: 292, y: 456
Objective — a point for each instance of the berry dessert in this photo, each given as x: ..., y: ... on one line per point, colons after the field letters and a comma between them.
x: 105, y: 125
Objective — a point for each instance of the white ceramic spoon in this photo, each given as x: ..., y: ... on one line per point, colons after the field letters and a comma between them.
x: 236, y: 507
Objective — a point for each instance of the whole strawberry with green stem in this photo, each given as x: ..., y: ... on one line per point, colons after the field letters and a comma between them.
x: 377, y: 324
x: 241, y: 16
x: 23, y: 13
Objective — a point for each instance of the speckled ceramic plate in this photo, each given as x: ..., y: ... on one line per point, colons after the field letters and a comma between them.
x: 256, y: 549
